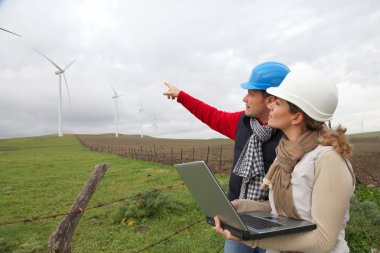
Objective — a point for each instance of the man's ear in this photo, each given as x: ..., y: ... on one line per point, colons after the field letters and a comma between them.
x: 269, y: 100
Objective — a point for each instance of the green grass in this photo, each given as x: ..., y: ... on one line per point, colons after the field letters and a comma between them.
x: 43, y: 175
x: 363, y: 228
x: 367, y: 135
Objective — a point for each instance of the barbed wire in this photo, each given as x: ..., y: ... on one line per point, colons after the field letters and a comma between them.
x: 167, y: 153
x: 220, y: 249
x: 81, y: 210
x: 105, y: 204
x: 168, y: 237
x: 100, y: 205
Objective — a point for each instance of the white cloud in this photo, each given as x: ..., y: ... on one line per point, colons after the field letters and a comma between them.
x: 205, y: 47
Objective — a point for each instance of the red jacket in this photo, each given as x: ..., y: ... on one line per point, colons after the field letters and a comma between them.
x: 235, y: 126
x: 223, y: 122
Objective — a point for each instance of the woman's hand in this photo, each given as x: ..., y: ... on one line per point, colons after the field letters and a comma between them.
x: 235, y: 204
x: 224, y: 232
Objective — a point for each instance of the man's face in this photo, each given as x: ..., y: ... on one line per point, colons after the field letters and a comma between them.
x: 256, y: 105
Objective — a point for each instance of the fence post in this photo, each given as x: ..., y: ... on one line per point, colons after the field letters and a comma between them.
x: 181, y: 155
x: 193, y: 155
x: 220, y: 158
x: 208, y: 152
x: 171, y: 156
x: 60, y: 240
x: 155, y: 152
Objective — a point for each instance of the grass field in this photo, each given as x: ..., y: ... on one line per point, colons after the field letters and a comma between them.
x: 365, y: 135
x: 43, y: 175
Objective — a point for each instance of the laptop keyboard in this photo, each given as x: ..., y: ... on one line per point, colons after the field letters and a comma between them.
x: 258, y: 223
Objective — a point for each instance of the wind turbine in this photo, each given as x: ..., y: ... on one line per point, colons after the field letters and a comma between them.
x: 141, y: 111
x: 155, y: 126
x: 60, y: 71
x: 116, y: 110
x: 10, y: 32
x: 362, y: 125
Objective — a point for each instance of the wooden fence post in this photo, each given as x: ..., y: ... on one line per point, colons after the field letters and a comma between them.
x: 60, y: 240
x: 220, y: 158
x: 181, y: 155
x: 171, y: 156
x: 208, y: 152
x: 193, y: 155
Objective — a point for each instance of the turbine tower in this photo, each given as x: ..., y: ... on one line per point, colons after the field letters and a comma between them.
x: 141, y: 111
x: 60, y: 71
x: 362, y: 125
x: 116, y: 110
x: 155, y: 126
x: 10, y: 32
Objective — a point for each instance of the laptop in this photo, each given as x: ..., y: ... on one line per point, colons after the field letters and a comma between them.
x: 248, y: 226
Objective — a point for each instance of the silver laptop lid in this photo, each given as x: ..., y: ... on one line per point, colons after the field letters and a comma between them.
x: 206, y: 190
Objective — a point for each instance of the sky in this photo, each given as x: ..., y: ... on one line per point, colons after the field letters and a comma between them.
x: 204, y: 47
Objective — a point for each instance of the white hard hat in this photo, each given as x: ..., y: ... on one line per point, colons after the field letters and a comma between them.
x: 311, y: 91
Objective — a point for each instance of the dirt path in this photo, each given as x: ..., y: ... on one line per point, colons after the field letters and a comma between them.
x: 366, y: 161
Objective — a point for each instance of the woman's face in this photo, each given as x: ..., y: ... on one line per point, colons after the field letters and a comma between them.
x: 279, y: 116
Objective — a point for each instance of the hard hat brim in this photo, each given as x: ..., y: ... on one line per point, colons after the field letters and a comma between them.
x: 304, y: 105
x: 253, y: 86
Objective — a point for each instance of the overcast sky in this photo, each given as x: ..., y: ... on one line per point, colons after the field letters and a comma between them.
x: 205, y: 47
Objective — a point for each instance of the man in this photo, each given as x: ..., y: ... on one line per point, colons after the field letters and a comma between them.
x: 255, y: 142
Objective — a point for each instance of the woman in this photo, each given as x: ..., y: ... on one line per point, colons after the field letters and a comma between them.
x: 311, y: 178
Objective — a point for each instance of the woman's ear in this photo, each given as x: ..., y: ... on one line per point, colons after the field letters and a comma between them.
x: 298, y: 118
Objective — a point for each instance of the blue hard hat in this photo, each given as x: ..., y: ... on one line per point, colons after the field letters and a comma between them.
x: 265, y: 75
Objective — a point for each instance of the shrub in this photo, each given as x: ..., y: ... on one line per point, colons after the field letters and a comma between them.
x: 149, y: 205
x: 367, y: 193
x: 363, y: 228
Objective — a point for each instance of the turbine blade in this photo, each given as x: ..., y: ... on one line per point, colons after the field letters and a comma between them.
x: 67, y: 87
x: 10, y: 32
x: 113, y: 90
x: 69, y: 65
x: 47, y: 58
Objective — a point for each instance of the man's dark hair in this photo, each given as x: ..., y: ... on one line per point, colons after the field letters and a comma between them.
x: 265, y: 94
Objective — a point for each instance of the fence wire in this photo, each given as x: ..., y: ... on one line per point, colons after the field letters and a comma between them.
x: 81, y: 210
x: 168, y: 237
x: 105, y: 204
x: 148, y: 155
x: 219, y: 157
